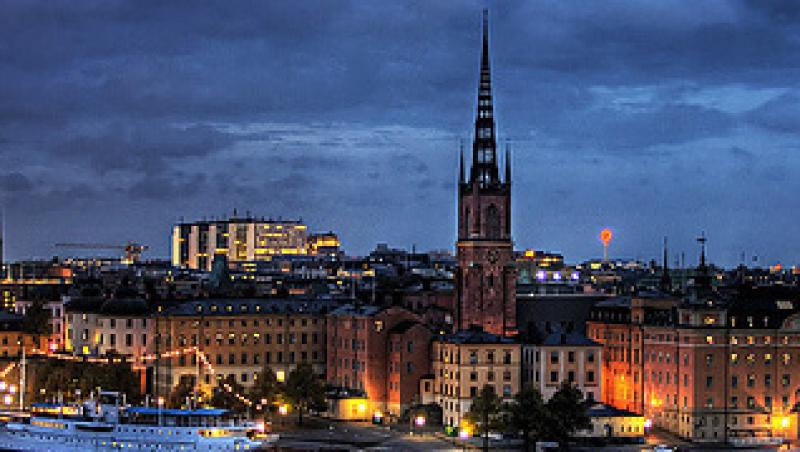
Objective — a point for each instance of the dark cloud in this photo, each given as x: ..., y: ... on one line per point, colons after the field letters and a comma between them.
x: 125, y: 115
x: 15, y: 182
x: 781, y: 114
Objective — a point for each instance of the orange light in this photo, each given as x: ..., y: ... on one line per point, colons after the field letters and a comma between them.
x: 606, y: 236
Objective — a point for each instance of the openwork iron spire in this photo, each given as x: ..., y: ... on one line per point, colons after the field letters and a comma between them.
x: 484, y: 147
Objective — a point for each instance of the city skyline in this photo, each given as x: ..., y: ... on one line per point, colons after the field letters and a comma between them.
x: 351, y: 119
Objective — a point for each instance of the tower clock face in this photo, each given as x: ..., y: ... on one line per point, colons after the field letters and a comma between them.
x: 493, y: 256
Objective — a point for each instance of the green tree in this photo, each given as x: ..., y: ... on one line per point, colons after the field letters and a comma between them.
x: 37, y: 319
x: 265, y: 391
x: 486, y: 413
x: 527, y: 414
x: 305, y: 390
x: 177, y: 397
x: 566, y: 414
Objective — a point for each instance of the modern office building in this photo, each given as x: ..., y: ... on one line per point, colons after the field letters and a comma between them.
x: 245, y: 239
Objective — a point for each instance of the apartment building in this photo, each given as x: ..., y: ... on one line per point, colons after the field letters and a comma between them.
x: 465, y: 362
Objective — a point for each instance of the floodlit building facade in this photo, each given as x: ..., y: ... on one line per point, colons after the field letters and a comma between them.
x: 465, y: 362
x: 195, y: 245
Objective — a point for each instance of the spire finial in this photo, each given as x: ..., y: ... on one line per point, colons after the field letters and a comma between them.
x: 702, y: 241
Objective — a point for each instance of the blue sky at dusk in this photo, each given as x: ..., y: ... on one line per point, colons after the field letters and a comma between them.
x: 650, y: 118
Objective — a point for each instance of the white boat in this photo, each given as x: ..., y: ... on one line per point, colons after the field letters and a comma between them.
x: 108, y: 426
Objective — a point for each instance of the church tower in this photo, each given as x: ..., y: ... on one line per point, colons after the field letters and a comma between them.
x: 486, y: 276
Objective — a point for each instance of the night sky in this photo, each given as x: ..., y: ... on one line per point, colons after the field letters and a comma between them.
x: 651, y: 118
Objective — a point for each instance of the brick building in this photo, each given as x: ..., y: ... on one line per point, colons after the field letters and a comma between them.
x: 486, y: 274
x: 379, y: 353
x: 707, y: 368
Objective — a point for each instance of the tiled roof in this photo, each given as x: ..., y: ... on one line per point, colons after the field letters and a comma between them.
x: 475, y: 336
x: 569, y: 339
x: 239, y: 306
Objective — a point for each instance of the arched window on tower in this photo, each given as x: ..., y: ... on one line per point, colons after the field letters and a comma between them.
x: 466, y: 222
x: 492, y: 222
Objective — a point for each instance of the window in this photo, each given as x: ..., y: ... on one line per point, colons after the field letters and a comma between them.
x: 129, y: 340
x: 553, y: 377
x: 590, y: 356
x: 571, y: 357
x: 590, y: 376
x: 554, y: 357
x: 709, y: 381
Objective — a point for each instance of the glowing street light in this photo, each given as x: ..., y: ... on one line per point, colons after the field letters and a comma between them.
x: 419, y: 421
x: 605, y: 237
x: 283, y: 410
x: 7, y: 399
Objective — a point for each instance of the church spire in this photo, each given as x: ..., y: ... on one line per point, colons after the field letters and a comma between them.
x: 484, y: 147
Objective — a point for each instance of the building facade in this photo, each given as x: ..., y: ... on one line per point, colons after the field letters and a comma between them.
x: 195, y: 245
x: 465, y: 362
x: 704, y: 368
x: 486, y: 275
x: 564, y: 357
x: 207, y: 340
x: 378, y: 353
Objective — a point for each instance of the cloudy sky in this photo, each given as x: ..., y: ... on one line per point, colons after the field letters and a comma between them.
x: 651, y: 118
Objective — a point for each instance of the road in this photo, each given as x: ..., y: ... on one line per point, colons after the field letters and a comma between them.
x: 349, y: 436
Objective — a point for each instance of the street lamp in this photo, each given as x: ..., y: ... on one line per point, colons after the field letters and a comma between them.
x: 160, y: 405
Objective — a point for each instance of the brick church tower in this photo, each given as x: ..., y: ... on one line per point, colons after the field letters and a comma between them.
x: 486, y: 276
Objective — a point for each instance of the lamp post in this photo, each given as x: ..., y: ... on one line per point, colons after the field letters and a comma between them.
x: 160, y: 405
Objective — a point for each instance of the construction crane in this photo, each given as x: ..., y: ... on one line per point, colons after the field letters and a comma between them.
x: 133, y: 251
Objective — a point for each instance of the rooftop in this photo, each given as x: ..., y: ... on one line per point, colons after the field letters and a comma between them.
x: 475, y: 335
x: 239, y: 306
x: 575, y: 339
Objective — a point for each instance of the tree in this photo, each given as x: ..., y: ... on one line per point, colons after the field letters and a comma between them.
x: 225, y: 395
x: 486, y: 413
x: 177, y: 397
x: 527, y: 414
x: 265, y: 391
x: 37, y: 319
x: 304, y: 390
x: 566, y: 413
